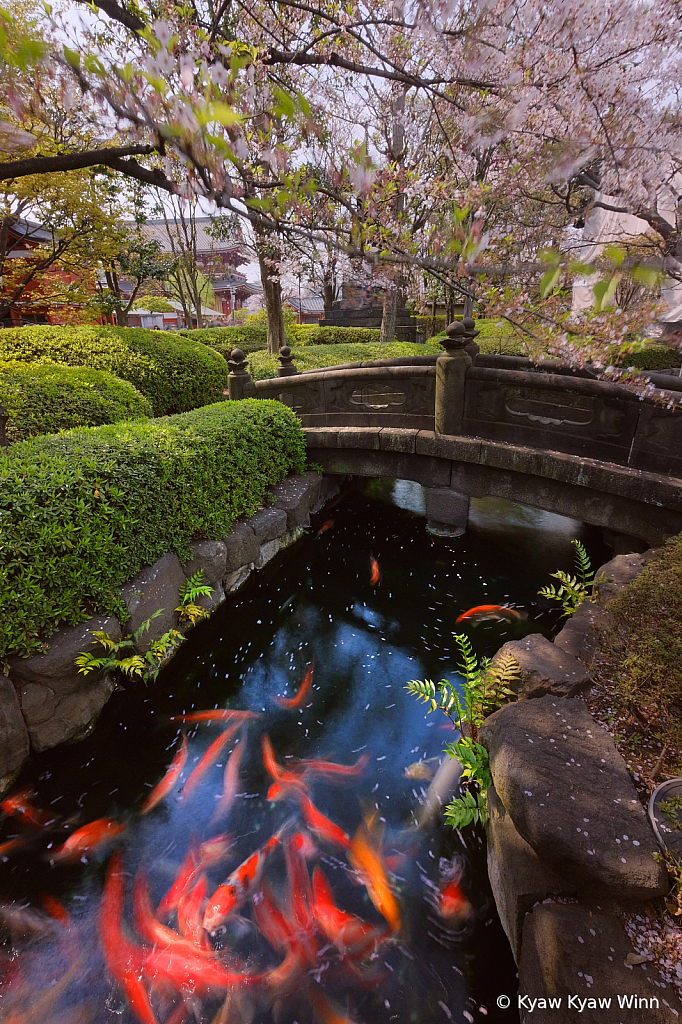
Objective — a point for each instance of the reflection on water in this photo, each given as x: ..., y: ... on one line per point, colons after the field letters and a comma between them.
x: 312, y: 606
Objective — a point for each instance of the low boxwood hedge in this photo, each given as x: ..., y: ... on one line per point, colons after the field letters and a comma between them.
x: 263, y: 366
x: 43, y: 398
x: 651, y: 357
x: 311, y: 334
x: 175, y: 373
x: 249, y: 338
x: 81, y: 512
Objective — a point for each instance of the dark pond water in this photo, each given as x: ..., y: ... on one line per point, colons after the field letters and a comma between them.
x: 314, y: 603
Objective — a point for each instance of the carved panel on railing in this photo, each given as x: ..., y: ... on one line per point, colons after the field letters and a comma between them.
x: 400, y: 397
x: 304, y: 399
x: 658, y: 442
x: 377, y: 396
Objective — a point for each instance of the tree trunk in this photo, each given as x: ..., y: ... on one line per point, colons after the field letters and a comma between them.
x: 433, y: 317
x: 390, y: 314
x: 272, y: 293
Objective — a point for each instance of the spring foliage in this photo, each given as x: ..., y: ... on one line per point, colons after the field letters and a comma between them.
x: 174, y: 373
x: 83, y: 511
x: 572, y: 590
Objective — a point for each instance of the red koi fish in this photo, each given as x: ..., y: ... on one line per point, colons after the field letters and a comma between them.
x: 323, y: 827
x: 215, y: 849
x: 11, y: 846
x: 238, y: 886
x: 489, y: 611
x: 230, y: 783
x: 282, y: 935
x: 324, y: 1010
x: 124, y: 960
x: 366, y: 859
x: 207, y: 760
x: 87, y: 839
x: 453, y: 904
x: 329, y: 770
x: 303, y: 690
x: 151, y: 929
x: 218, y: 715
x: 55, y: 909
x: 325, y: 526
x: 190, y: 915
x: 20, y: 806
x: 375, y: 574
x: 277, y: 773
x: 170, y: 779
x: 301, y: 895
x: 187, y: 872
x: 191, y: 971
x: 351, y: 936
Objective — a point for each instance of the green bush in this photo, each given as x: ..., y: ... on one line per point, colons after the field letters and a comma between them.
x: 651, y: 357
x: 248, y: 337
x: 175, y: 373
x: 83, y: 511
x: 424, y: 323
x: 263, y: 366
x: 311, y: 334
x: 43, y: 398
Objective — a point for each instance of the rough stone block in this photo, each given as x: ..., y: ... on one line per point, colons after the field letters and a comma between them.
x: 210, y: 556
x: 358, y: 437
x: 268, y: 524
x: 56, y: 666
x: 214, y: 599
x: 617, y: 573
x: 545, y: 667
x: 234, y: 580
x: 241, y: 546
x: 292, y: 536
x: 329, y: 488
x: 518, y: 877
x: 13, y: 733
x: 295, y: 495
x: 572, y: 951
x: 580, y: 635
x: 267, y: 553
x: 154, y: 588
x: 569, y: 795
x: 37, y: 703
x: 73, y: 716
x: 397, y: 439
x: 447, y: 511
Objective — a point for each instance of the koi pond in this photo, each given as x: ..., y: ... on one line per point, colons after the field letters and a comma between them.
x: 277, y: 886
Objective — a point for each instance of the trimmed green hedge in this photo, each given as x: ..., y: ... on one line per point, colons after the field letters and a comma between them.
x: 651, y: 357
x: 83, y: 511
x: 311, y: 334
x: 247, y: 337
x: 43, y: 398
x: 175, y: 373
x: 263, y: 366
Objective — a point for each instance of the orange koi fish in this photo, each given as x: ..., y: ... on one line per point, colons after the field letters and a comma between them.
x: 280, y: 776
x: 453, y: 904
x: 320, y: 825
x: 272, y: 922
x: 151, y: 929
x: 190, y: 915
x: 324, y: 1010
x: 191, y: 971
x: 215, y: 849
x: 230, y: 782
x: 87, y: 839
x: 20, y: 806
x: 238, y: 886
x: 375, y: 575
x: 170, y: 779
x: 325, y: 526
x: 218, y: 715
x: 55, y: 909
x: 303, y: 690
x: 207, y: 760
x: 187, y: 872
x: 489, y: 611
x: 11, y: 846
x: 351, y: 936
x: 301, y: 894
x: 366, y: 859
x: 329, y: 770
x: 124, y: 960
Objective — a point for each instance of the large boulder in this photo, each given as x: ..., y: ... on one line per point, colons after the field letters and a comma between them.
x: 577, y: 957
x: 241, y: 546
x: 569, y: 795
x: 612, y: 577
x: 518, y: 878
x: 56, y: 668
x: 52, y: 719
x: 296, y: 495
x: 268, y: 524
x: 545, y: 668
x: 14, y: 743
x: 154, y: 588
x: 209, y: 556
x: 580, y: 636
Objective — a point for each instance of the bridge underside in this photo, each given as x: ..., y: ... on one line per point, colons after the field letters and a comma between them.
x: 629, y: 501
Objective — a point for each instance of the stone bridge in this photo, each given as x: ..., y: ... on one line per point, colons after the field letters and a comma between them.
x: 543, y: 434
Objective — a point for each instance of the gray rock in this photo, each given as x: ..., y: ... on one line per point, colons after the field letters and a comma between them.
x: 242, y: 547
x: 580, y: 635
x: 545, y: 668
x: 210, y: 556
x: 214, y: 599
x: 267, y: 553
x: 569, y: 795
x: 447, y: 512
x: 617, y: 573
x: 154, y: 588
x: 73, y: 717
x: 14, y: 744
x: 574, y: 951
x: 268, y: 524
x: 296, y: 495
x: 291, y: 536
x: 329, y: 488
x: 517, y: 876
x: 56, y: 668
x: 234, y: 580
x: 37, y: 703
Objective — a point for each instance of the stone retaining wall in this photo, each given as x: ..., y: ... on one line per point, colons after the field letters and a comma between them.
x: 45, y: 701
x: 569, y: 843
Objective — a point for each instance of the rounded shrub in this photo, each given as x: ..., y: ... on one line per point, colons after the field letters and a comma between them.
x: 651, y: 357
x: 312, y: 334
x: 174, y: 373
x: 44, y: 398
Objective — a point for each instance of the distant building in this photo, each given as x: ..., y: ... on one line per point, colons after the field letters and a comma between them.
x: 309, y: 308
x: 175, y: 320
x: 23, y: 237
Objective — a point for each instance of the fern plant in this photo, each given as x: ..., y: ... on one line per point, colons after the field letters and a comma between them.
x: 121, y: 656
x: 486, y: 686
x: 573, y: 590
x: 190, y: 589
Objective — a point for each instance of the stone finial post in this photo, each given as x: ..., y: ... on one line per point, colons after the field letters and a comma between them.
x: 471, y: 348
x: 451, y: 368
x: 287, y: 368
x: 239, y: 381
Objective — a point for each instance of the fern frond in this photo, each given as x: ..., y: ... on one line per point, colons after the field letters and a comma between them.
x: 582, y: 564
x: 425, y: 692
x: 466, y: 809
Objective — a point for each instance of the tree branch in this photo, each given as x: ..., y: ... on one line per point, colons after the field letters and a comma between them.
x: 119, y: 14
x: 71, y: 161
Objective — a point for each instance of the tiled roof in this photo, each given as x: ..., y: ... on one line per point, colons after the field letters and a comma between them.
x: 156, y: 229
x: 308, y: 303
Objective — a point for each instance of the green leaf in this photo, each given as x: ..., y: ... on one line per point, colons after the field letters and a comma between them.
x: 73, y: 58
x: 223, y: 113
x: 549, y: 281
